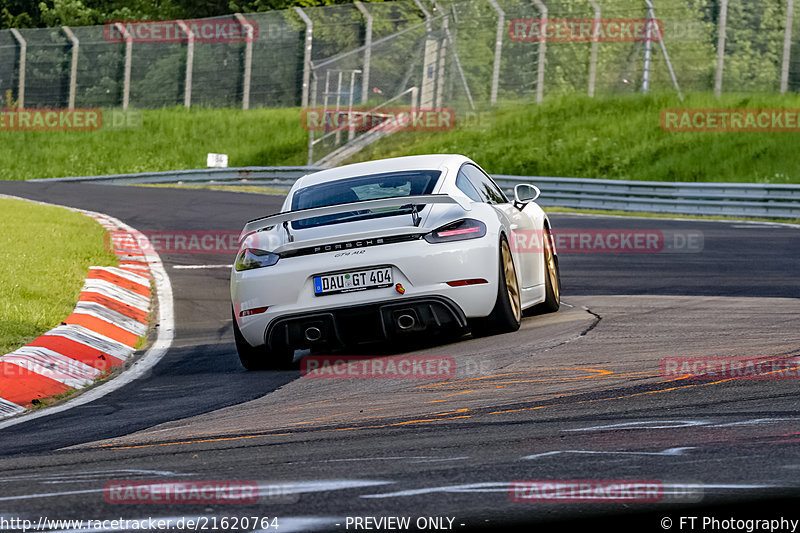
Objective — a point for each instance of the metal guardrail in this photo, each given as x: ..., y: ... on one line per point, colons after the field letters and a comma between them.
x: 279, y: 177
x: 728, y: 199
x: 688, y: 198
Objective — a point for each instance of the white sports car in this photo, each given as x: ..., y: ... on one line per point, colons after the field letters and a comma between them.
x: 387, y: 249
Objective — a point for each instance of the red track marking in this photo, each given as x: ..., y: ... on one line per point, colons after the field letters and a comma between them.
x: 116, y: 305
x: 78, y: 351
x: 103, y: 328
x: 120, y: 281
x: 20, y: 385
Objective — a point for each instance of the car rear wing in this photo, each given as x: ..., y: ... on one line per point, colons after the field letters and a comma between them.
x: 381, y: 203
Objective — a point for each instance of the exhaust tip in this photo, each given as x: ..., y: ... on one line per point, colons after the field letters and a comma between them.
x: 406, y: 322
x: 313, y: 334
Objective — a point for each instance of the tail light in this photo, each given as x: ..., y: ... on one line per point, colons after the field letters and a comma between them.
x: 460, y: 230
x: 250, y: 258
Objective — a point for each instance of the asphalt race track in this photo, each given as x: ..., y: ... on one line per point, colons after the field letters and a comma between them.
x: 575, y: 395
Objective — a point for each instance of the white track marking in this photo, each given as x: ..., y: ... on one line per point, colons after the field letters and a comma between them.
x: 90, y: 475
x: 648, y: 424
x: 669, y: 451
x: 9, y: 408
x: 489, y: 486
x: 753, y: 421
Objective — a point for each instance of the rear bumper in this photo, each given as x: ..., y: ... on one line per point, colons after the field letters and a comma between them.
x: 363, y: 324
x: 286, y: 289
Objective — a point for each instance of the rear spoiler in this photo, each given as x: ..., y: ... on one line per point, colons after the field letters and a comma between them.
x: 313, y: 212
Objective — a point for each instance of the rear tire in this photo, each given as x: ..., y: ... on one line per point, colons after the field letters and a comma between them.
x: 260, y: 357
x: 506, y: 316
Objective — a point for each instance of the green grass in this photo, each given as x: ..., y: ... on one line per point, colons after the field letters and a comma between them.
x: 613, y: 138
x: 46, y: 253
x: 168, y: 139
x: 616, y: 137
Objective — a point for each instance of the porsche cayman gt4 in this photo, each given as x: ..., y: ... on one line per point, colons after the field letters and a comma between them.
x: 387, y: 249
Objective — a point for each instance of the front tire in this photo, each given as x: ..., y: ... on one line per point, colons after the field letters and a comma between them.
x: 260, y: 357
x: 506, y: 316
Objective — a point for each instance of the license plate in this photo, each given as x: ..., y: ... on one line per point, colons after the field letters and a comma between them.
x: 357, y: 280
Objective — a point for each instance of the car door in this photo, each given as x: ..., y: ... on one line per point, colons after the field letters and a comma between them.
x: 518, y: 221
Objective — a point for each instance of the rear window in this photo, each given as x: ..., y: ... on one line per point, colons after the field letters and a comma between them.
x: 369, y: 187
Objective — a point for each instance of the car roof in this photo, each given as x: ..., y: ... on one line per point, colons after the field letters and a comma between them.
x: 413, y: 162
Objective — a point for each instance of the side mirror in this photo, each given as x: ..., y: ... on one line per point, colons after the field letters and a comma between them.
x: 525, y: 193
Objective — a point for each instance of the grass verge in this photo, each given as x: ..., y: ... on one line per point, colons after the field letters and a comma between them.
x: 168, y: 139
x: 613, y: 138
x: 45, y: 252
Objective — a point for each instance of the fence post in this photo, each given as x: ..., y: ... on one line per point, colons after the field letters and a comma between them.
x: 23, y: 53
x: 73, y: 73
x: 126, y: 87
x: 306, y: 54
x: 595, y: 47
x: 310, y: 159
x: 787, y: 46
x: 498, y: 49
x: 248, y: 59
x: 441, y: 62
x: 187, y: 85
x: 723, y: 23
x: 367, y: 52
x: 648, y: 49
x: 652, y: 16
x: 542, y: 54
x: 428, y: 60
